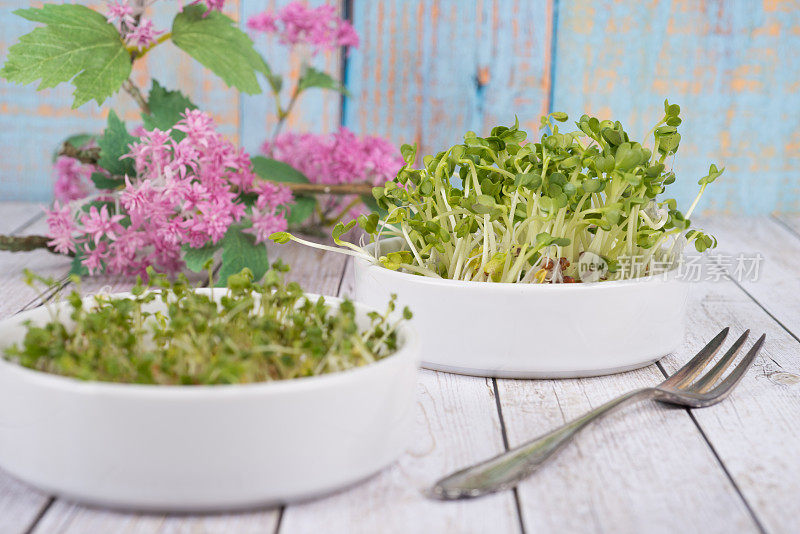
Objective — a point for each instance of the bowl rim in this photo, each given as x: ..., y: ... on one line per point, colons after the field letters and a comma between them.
x: 408, y: 349
x: 361, y: 263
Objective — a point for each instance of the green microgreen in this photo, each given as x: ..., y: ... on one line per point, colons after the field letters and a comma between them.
x: 502, y: 209
x: 166, y: 333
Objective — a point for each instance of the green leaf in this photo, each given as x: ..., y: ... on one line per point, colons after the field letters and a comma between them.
x: 240, y: 250
x: 277, y: 171
x: 668, y: 144
x: 76, y: 45
x: 113, y: 145
x: 214, y: 40
x: 281, y: 237
x: 196, y: 258
x: 713, y: 174
x: 673, y: 110
x: 301, y: 210
x: 593, y: 186
x: 369, y: 223
x: 528, y: 179
x: 101, y: 181
x: 316, y: 78
x: 612, y: 136
x: 340, y: 229
x: 166, y: 108
x: 77, y: 267
x: 409, y: 153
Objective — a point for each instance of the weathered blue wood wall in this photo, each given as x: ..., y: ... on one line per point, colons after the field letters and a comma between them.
x: 428, y: 70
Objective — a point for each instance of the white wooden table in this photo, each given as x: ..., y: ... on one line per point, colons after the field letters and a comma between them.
x: 734, y: 467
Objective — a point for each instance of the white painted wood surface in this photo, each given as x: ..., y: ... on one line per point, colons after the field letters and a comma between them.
x: 21, y: 505
x: 733, y: 467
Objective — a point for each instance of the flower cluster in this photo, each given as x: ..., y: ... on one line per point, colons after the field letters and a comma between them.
x: 320, y: 27
x: 137, y: 33
x: 338, y: 158
x: 213, y: 5
x: 185, y: 193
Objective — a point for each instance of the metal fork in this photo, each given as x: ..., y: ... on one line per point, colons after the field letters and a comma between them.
x: 506, y: 470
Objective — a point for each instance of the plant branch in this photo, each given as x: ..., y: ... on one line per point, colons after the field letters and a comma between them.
x: 134, y: 91
x: 14, y: 243
x: 285, y: 113
x: 325, y: 189
x: 87, y: 155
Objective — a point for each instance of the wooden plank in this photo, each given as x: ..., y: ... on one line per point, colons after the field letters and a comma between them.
x: 728, y: 64
x: 775, y: 284
x: 348, y: 280
x: 15, y: 216
x: 646, y: 468
x: 754, y: 432
x: 791, y: 221
x: 429, y: 70
x: 65, y: 518
x: 316, y: 110
x: 20, y: 505
x: 457, y: 424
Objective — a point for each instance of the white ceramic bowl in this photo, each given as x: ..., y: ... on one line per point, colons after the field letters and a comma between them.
x: 203, y: 448
x: 533, y: 330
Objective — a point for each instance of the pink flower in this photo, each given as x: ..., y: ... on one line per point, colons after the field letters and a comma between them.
x: 152, y: 152
x: 319, y: 27
x: 72, y: 179
x: 136, y: 198
x: 120, y: 14
x: 99, y: 224
x: 338, y: 158
x: 143, y: 34
x: 264, y: 22
x: 212, y: 5
x: 198, y: 125
x: 61, y: 227
x: 266, y: 224
x: 272, y: 195
x: 215, y: 4
x: 94, y: 258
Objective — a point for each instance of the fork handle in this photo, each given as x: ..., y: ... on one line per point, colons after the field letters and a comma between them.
x: 507, y: 469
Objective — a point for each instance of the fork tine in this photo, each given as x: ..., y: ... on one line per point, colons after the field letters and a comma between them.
x: 688, y: 372
x: 725, y: 387
x: 710, y: 378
